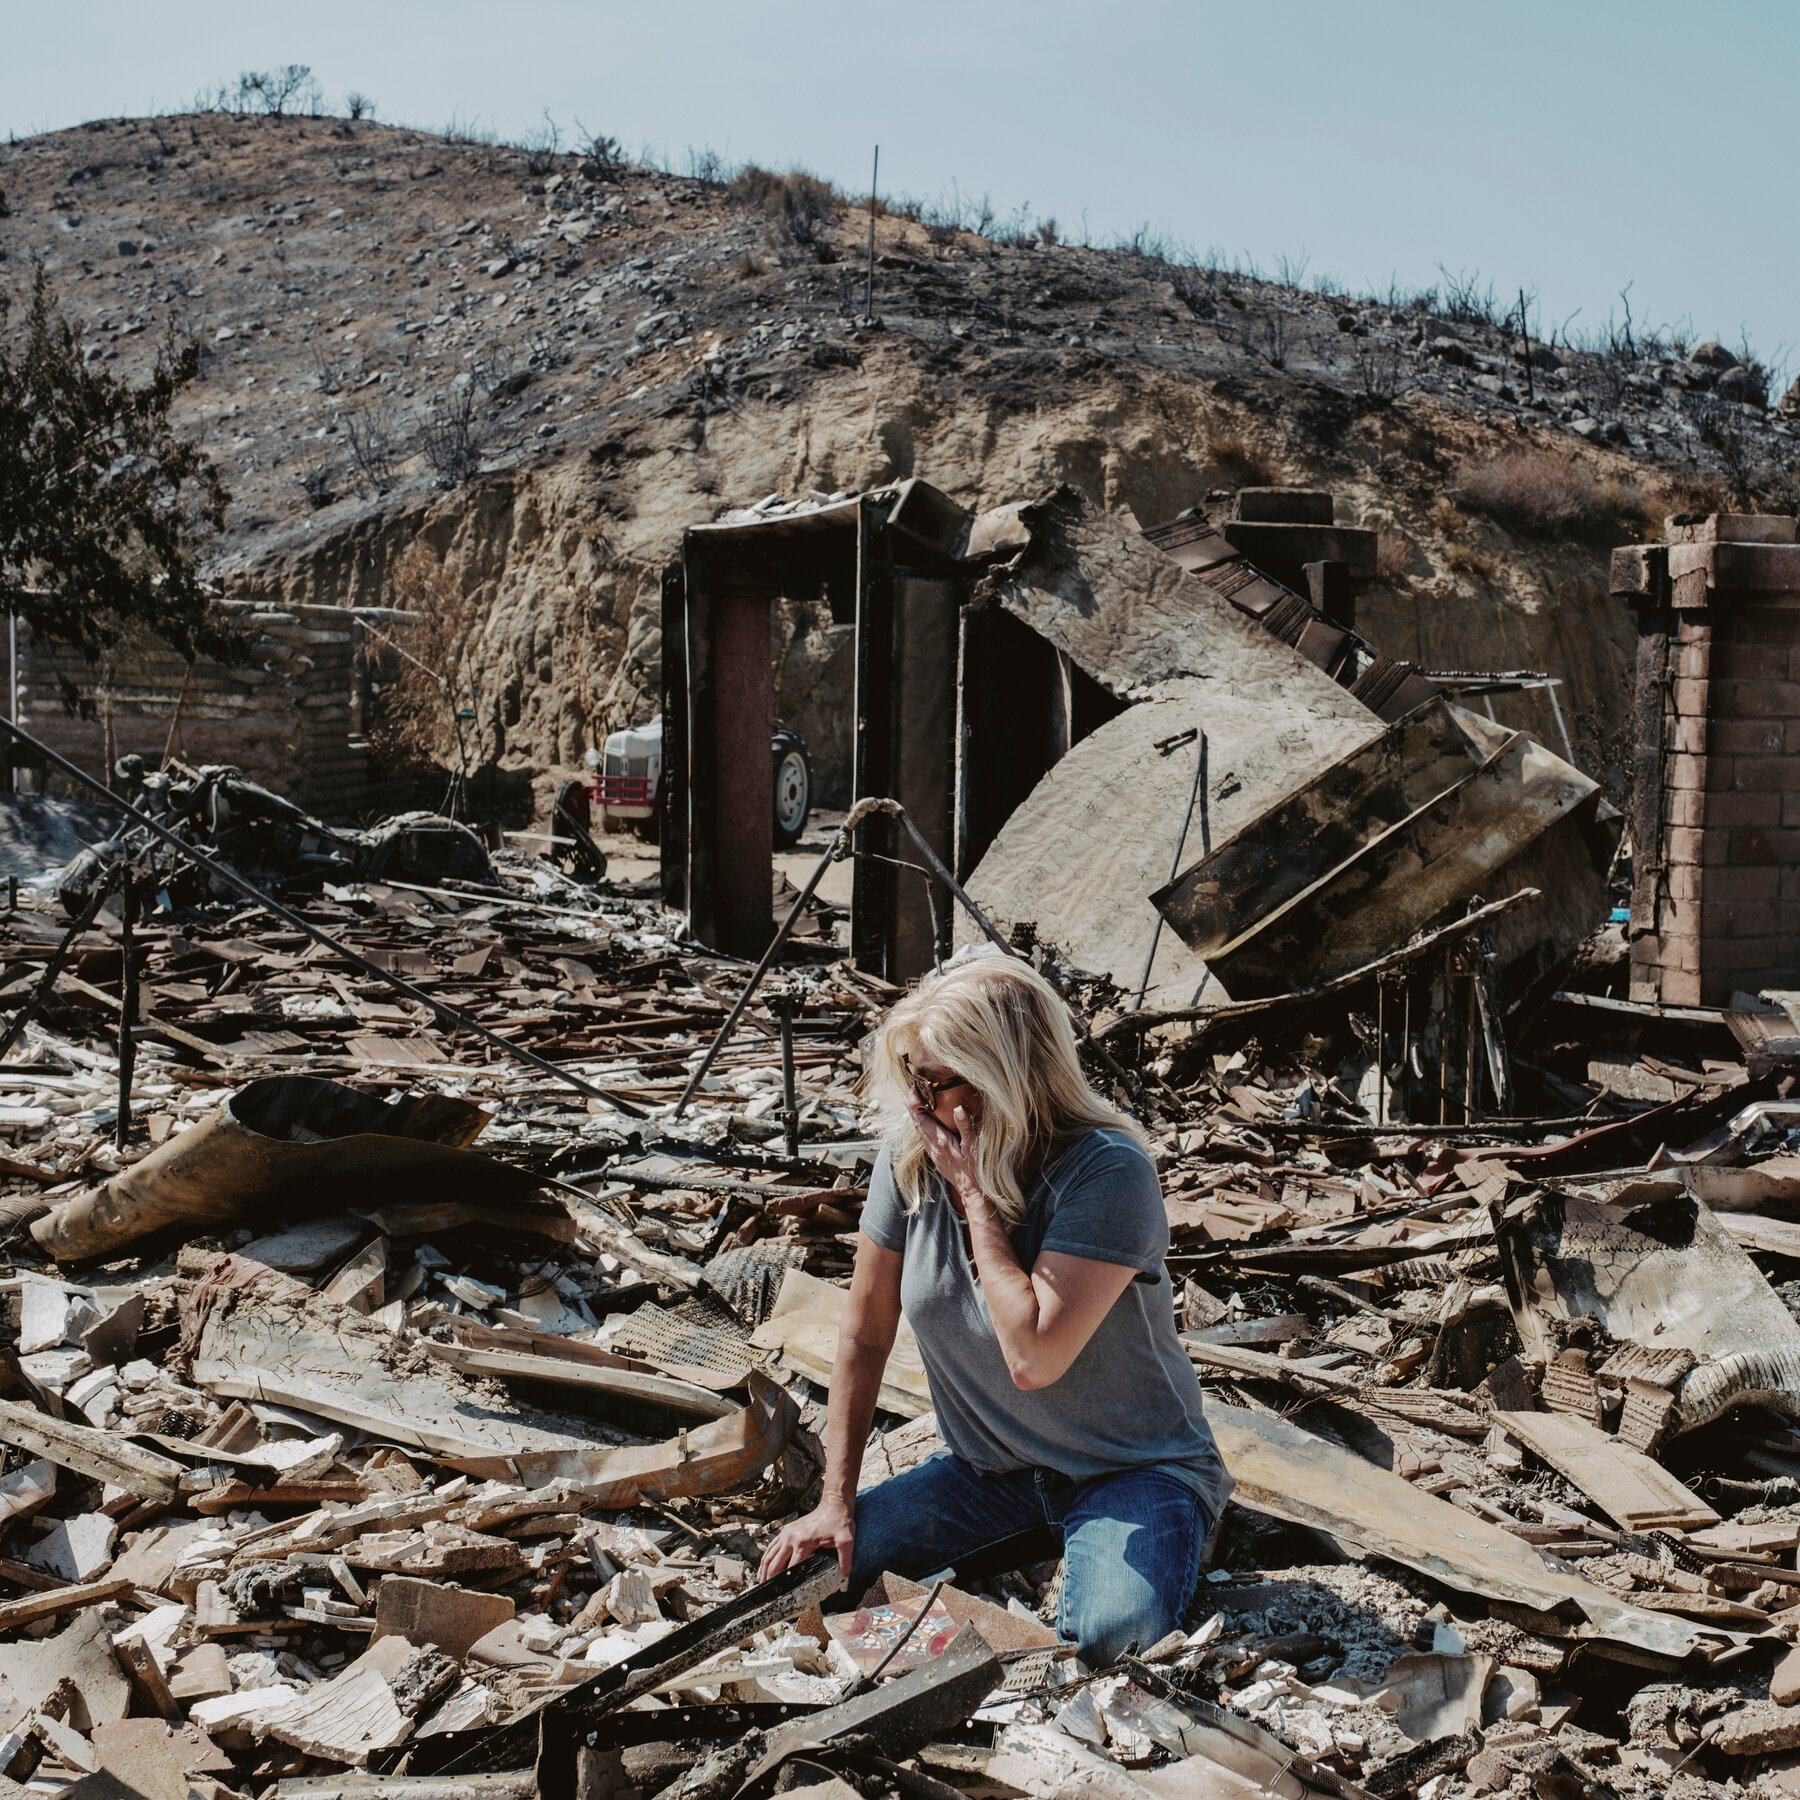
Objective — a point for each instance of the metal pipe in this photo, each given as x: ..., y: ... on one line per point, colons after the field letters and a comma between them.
x: 1174, y: 863
x: 869, y: 296
x: 54, y: 967
x: 128, y: 1011
x: 956, y: 887
x: 1443, y: 1080
x: 1555, y: 706
x: 187, y: 677
x: 1469, y: 1056
x: 838, y: 849
x: 1406, y: 1043
x: 232, y: 879
x: 790, y: 1115
x: 1380, y: 1051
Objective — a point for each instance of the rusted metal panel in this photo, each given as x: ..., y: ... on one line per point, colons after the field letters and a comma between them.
x: 1665, y: 1273
x: 930, y: 517
x: 1370, y: 852
x: 1390, y: 688
x: 1193, y: 543
x: 1291, y: 846
x: 1266, y: 544
x: 1293, y: 1475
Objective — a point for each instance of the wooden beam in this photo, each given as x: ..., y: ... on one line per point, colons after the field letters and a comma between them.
x: 14, y: 1613
x: 100, y: 1455
x: 1632, y: 1490
x: 606, y: 1384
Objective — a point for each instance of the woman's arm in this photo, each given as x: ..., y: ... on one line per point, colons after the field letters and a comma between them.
x: 1044, y: 1317
x: 865, y: 1337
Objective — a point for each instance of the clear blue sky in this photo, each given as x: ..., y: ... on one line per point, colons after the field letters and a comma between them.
x: 1570, y: 147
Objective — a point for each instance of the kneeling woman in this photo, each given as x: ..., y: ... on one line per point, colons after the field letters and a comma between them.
x: 1017, y: 1221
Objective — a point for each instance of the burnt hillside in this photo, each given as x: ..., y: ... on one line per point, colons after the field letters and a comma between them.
x: 543, y: 369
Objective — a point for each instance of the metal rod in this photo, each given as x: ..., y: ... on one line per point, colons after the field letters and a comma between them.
x: 874, y: 1675
x: 869, y: 296
x: 1469, y: 1056
x: 937, y: 950
x: 12, y: 665
x: 128, y: 1011
x: 1525, y: 333
x: 52, y: 969
x: 1380, y: 1051
x: 187, y: 677
x: 1556, y: 707
x: 790, y: 1116
x: 1406, y: 1043
x: 232, y: 879
x: 1187, y: 819
x: 1129, y: 1024
x: 944, y: 875
x: 1444, y: 1018
x: 838, y: 849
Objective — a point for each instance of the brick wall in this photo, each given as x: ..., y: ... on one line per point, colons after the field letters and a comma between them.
x: 1716, y: 872
x: 287, y: 717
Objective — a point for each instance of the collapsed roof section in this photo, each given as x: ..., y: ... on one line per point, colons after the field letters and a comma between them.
x: 1081, y: 856
x: 1373, y: 850
x: 1130, y: 616
x: 1004, y: 665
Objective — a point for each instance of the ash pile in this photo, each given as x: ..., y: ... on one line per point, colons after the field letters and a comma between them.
x: 421, y: 1298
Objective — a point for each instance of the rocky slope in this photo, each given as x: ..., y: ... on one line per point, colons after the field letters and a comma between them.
x: 543, y: 369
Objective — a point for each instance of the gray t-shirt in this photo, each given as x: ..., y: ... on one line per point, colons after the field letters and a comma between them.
x: 1130, y: 1399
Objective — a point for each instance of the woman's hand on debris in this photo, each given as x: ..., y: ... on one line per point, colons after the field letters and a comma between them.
x: 831, y: 1523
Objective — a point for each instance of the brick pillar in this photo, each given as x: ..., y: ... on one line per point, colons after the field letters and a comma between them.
x: 1715, y: 905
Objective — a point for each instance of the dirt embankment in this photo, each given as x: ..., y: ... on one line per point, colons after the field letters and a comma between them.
x: 597, y: 359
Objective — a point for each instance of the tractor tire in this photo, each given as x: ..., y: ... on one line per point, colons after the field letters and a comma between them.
x: 793, y: 789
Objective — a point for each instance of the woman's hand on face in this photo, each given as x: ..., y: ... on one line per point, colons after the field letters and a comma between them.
x: 952, y: 1152
x: 829, y: 1524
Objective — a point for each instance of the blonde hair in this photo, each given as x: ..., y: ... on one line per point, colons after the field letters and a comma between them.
x: 999, y: 1024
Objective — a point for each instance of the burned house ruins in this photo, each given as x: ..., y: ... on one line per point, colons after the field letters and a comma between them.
x: 424, y: 1276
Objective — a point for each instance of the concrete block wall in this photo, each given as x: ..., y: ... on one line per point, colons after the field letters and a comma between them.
x: 287, y: 717
x: 1716, y: 820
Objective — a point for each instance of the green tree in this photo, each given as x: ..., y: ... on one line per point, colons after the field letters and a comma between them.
x: 104, y: 512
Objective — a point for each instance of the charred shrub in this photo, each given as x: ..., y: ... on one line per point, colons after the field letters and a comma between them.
x: 1240, y: 463
x: 801, y: 207
x: 1548, y: 495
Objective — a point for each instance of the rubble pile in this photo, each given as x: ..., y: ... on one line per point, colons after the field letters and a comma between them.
x: 391, y: 1413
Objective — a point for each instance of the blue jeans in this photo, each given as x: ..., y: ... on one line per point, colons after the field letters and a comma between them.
x: 1131, y: 1542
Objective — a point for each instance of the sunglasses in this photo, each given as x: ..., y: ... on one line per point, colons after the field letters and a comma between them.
x: 928, y: 1091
